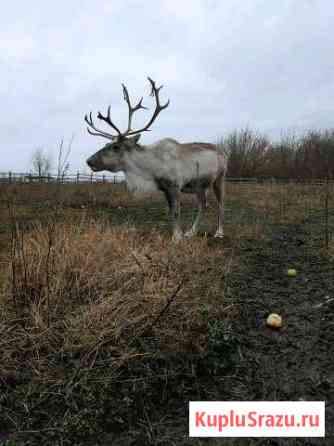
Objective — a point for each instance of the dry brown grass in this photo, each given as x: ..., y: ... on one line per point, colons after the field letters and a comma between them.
x: 80, y: 288
x: 83, y: 303
x: 282, y: 203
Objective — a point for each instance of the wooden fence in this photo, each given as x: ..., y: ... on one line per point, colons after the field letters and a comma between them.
x: 79, y: 178
x: 14, y: 177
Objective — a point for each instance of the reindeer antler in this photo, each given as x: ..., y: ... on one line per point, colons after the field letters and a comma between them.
x: 99, y: 132
x: 158, y: 108
x: 131, y: 109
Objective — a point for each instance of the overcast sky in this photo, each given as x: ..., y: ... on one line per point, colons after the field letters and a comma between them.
x: 224, y: 65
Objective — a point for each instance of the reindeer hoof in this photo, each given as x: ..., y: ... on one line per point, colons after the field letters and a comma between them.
x: 219, y: 235
x: 177, y: 236
x: 189, y: 234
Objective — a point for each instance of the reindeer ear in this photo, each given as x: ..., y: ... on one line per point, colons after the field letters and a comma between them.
x: 135, y: 138
x: 131, y: 142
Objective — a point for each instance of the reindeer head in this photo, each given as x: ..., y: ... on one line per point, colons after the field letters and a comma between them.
x: 111, y: 156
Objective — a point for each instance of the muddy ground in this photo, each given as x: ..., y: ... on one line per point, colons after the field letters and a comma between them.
x: 252, y: 361
x: 244, y: 359
x: 296, y: 363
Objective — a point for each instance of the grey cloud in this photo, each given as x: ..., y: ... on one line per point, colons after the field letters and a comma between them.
x: 224, y: 65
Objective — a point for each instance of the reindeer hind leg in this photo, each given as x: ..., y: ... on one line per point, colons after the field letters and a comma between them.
x: 206, y: 201
x: 218, y: 188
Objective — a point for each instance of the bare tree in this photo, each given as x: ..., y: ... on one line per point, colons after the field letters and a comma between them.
x: 63, y: 164
x: 41, y: 162
x: 246, y: 151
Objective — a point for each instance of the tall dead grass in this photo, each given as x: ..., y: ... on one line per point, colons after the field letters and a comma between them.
x: 79, y: 287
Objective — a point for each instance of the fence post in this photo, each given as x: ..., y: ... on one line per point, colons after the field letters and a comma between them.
x: 91, y: 178
x: 326, y: 212
x: 78, y: 176
x: 9, y: 177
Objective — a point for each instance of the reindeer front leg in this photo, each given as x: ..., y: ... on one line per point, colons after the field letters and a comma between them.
x: 201, y: 200
x: 173, y: 199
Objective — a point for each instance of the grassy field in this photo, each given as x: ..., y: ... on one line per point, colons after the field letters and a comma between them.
x: 108, y: 328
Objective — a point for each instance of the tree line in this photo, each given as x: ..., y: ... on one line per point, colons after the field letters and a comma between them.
x: 306, y: 157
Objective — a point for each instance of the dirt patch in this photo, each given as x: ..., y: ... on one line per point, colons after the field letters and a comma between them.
x: 295, y: 363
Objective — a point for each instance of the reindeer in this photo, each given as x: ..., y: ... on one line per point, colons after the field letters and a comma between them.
x: 166, y: 165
